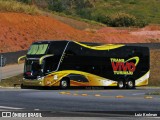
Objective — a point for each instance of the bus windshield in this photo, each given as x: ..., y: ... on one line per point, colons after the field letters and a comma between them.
x: 37, y: 49
x: 32, y: 68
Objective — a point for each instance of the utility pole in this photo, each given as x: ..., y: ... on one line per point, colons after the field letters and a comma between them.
x: 2, y: 63
x: 1, y: 57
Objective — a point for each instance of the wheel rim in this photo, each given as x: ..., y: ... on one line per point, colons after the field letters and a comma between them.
x: 64, y: 83
x: 130, y: 83
x: 120, y: 84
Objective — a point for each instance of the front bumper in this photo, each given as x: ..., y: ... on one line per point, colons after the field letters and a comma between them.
x: 34, y: 82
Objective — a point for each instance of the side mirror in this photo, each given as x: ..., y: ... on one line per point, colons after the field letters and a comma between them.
x: 43, y: 57
x: 21, y: 58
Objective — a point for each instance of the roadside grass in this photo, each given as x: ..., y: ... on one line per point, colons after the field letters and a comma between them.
x: 14, y: 6
x: 145, y: 11
x: 150, y: 13
x: 74, y: 21
x: 12, y: 81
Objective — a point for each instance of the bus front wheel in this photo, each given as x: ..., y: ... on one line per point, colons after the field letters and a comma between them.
x: 64, y: 84
x: 23, y: 86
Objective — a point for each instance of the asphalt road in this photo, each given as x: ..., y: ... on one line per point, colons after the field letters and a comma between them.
x: 69, y: 101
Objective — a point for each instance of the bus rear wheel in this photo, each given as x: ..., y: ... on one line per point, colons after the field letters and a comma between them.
x: 130, y: 84
x: 121, y: 84
x: 64, y: 84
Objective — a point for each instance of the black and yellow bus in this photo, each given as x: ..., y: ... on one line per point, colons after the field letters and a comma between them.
x: 69, y: 63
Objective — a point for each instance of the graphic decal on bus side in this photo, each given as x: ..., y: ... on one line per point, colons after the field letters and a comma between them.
x: 124, y: 67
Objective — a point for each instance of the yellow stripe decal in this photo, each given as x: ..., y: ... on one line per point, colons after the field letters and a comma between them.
x: 134, y: 58
x: 102, y: 47
x: 143, y: 80
x: 94, y: 80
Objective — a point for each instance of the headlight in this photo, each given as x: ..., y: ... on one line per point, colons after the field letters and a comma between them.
x: 40, y: 78
x: 55, y: 77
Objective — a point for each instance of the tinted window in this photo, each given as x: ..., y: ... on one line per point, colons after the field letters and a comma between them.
x: 37, y: 49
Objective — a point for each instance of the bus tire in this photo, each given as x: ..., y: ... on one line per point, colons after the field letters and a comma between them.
x: 64, y: 84
x: 121, y: 84
x: 130, y: 84
x: 23, y: 86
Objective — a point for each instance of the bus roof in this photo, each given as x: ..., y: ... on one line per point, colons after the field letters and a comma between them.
x: 50, y: 41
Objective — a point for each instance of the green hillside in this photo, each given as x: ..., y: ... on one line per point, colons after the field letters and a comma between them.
x: 110, y: 12
x: 41, y: 8
x: 116, y: 13
x: 14, y: 6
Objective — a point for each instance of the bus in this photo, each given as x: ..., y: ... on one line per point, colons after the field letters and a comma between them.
x: 66, y: 63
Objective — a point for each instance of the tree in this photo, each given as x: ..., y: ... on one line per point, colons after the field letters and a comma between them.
x: 27, y: 1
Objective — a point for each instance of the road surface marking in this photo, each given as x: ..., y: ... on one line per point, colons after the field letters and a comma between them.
x: 68, y: 93
x: 62, y: 92
x: 84, y: 94
x: 148, y: 97
x: 97, y: 95
x: 11, y: 108
x: 119, y: 96
x: 138, y: 94
x: 75, y: 94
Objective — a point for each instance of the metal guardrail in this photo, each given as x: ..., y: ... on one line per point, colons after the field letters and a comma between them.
x: 2, y: 64
x: 2, y: 61
x: 150, y: 45
x: 9, y: 71
x: 12, y: 57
